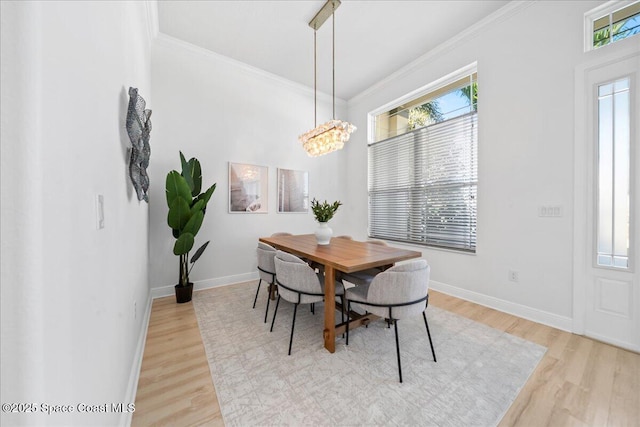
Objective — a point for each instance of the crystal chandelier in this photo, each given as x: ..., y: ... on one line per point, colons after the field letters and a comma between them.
x: 332, y: 135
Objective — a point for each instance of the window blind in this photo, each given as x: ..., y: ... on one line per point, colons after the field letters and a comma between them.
x: 423, y: 185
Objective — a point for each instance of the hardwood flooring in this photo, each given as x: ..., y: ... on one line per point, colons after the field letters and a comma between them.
x: 175, y: 386
x: 579, y: 382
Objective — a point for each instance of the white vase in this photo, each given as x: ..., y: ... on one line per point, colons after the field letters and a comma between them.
x: 323, y: 233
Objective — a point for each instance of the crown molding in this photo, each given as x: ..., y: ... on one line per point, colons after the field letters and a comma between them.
x: 499, y: 15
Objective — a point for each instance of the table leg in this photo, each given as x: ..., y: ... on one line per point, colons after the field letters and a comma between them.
x: 329, y: 332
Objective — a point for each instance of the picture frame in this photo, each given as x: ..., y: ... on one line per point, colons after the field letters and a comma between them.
x: 293, y: 191
x: 248, y: 188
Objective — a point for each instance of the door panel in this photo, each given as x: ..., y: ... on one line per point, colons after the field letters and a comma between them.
x: 614, y: 297
x: 607, y: 193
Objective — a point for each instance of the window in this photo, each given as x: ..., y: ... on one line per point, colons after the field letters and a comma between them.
x: 423, y: 166
x: 614, y: 156
x: 612, y: 22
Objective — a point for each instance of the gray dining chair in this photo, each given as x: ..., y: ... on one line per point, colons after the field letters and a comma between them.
x: 401, y: 291
x: 299, y: 284
x: 344, y: 236
x: 266, y: 271
x: 364, y: 277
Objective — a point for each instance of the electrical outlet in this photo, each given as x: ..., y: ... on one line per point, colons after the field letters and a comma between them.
x: 513, y: 276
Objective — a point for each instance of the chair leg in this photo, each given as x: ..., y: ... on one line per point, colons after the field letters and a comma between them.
x: 342, y: 311
x: 256, y: 298
x: 395, y: 326
x: 348, y: 311
x: 342, y: 308
x: 268, y: 299
x: 429, y: 334
x: 274, y: 313
x: 293, y: 324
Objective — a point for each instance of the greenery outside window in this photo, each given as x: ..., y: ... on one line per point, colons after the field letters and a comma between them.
x: 612, y: 22
x: 423, y: 166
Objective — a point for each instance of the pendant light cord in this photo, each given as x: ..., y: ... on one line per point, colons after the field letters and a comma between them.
x: 315, y: 68
x: 333, y: 64
x: 315, y: 83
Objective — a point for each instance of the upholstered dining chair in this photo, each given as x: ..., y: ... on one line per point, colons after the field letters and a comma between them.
x: 299, y: 284
x: 399, y: 292
x: 344, y: 236
x: 266, y: 271
x: 364, y: 277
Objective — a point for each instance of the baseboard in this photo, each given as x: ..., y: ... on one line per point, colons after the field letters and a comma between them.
x: 166, y: 291
x: 618, y: 343
x: 533, y: 314
x: 134, y: 376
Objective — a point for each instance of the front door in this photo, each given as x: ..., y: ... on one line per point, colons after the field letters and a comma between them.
x: 607, y: 210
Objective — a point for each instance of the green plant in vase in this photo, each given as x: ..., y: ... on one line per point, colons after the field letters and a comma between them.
x: 323, y: 213
x: 187, y: 207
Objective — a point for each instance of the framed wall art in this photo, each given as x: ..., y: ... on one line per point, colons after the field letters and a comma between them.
x: 293, y: 191
x: 248, y: 188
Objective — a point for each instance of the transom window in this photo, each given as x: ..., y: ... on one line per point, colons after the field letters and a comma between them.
x: 423, y: 166
x: 612, y: 22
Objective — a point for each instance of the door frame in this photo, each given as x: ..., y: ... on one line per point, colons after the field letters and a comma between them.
x: 583, y: 179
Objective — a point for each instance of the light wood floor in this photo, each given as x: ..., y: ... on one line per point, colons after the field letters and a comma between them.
x: 579, y: 382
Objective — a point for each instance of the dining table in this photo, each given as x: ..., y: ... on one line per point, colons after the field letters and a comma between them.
x: 340, y: 255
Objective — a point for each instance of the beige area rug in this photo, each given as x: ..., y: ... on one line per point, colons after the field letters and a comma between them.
x: 479, y: 372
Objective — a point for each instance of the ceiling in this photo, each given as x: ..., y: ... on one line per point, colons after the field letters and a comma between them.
x: 373, y: 38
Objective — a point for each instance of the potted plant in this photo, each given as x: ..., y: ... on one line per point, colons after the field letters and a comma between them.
x: 187, y: 206
x: 324, y: 212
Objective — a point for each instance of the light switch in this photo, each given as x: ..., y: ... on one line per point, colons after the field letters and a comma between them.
x: 550, y: 211
x: 100, y: 211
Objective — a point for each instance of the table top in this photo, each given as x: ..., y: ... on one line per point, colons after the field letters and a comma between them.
x: 342, y: 254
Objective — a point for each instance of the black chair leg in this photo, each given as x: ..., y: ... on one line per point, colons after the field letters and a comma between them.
x: 342, y: 311
x: 395, y: 326
x: 274, y: 313
x: 293, y: 324
x: 348, y: 310
x: 258, y: 291
x: 268, y: 299
x: 429, y: 334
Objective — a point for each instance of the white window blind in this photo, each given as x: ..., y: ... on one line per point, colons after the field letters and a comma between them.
x: 423, y: 185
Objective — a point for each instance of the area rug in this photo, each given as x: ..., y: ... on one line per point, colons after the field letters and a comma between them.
x: 479, y: 372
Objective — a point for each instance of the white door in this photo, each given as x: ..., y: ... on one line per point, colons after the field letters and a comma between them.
x: 607, y: 208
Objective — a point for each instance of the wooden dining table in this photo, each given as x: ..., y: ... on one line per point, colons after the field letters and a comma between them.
x: 340, y: 255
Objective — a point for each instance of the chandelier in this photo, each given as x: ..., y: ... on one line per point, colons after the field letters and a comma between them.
x: 332, y: 135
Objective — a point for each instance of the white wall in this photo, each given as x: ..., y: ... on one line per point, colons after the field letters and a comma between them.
x: 526, y: 61
x: 222, y: 111
x: 69, y: 334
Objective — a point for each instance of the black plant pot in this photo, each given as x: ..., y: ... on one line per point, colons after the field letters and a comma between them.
x: 183, y: 293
